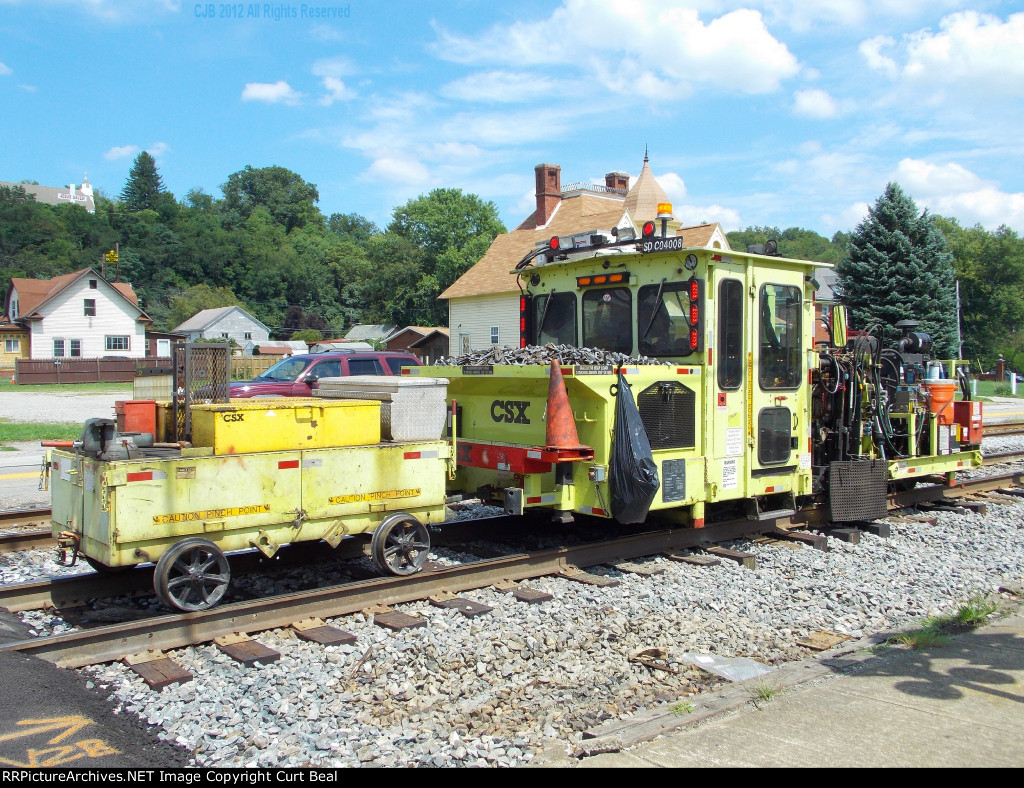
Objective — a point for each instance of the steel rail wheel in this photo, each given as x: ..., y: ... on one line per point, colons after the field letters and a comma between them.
x: 192, y: 575
x: 400, y: 544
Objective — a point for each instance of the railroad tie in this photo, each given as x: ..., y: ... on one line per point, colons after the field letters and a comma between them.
x: 244, y: 649
x: 157, y: 669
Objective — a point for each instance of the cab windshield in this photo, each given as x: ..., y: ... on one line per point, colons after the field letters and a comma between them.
x: 285, y: 370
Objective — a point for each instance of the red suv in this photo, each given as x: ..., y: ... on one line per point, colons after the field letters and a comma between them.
x: 296, y: 376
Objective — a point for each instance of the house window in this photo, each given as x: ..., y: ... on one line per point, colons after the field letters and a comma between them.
x: 494, y: 335
x: 90, y: 307
x: 92, y: 284
x: 163, y: 347
x: 248, y: 334
x: 76, y: 348
x: 223, y: 336
x: 464, y: 344
x: 58, y: 348
x: 117, y: 343
x: 12, y: 346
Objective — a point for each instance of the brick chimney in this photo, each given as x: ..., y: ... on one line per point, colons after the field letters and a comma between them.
x: 617, y: 180
x: 549, y: 191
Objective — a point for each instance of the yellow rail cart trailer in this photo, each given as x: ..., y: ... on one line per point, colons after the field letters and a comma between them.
x: 259, y: 474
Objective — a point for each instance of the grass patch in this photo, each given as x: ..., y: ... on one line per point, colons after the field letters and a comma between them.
x: 76, y: 388
x: 935, y: 630
x: 682, y: 708
x: 763, y: 691
x: 28, y: 432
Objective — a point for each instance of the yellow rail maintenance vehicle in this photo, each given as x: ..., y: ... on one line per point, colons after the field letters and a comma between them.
x: 258, y: 473
x: 740, y: 412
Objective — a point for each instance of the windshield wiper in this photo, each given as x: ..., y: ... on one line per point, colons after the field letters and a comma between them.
x: 658, y: 308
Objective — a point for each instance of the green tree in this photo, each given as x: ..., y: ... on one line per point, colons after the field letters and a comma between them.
x: 452, y: 231
x: 144, y: 186
x: 286, y: 196
x: 990, y: 271
x: 899, y: 268
x: 195, y: 299
x: 308, y: 335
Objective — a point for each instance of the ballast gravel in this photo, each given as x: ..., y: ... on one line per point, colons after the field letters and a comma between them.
x: 500, y: 689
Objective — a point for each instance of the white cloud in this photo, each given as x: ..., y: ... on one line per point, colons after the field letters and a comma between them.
x: 5, y: 70
x: 641, y: 47
x: 503, y: 87
x: 279, y: 92
x: 972, y: 54
x: 156, y: 150
x: 399, y: 169
x: 815, y: 104
x: 331, y: 70
x: 674, y: 187
x: 121, y: 152
x: 953, y: 190
x: 849, y: 218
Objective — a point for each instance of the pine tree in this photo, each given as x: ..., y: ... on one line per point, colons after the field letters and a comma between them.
x: 144, y: 186
x: 899, y: 268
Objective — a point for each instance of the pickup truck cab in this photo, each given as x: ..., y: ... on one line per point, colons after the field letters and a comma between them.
x: 297, y: 376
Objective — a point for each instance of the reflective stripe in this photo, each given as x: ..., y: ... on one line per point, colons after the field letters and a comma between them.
x: 420, y: 455
x: 146, y: 476
x: 283, y: 464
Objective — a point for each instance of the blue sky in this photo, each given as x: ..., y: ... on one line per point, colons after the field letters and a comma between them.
x: 766, y: 112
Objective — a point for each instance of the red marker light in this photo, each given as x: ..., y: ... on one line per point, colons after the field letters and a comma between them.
x: 693, y: 339
x: 553, y: 243
x: 694, y: 314
x: 694, y: 290
x: 648, y: 229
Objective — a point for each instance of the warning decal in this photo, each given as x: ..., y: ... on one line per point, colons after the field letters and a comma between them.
x: 382, y: 495
x: 211, y: 514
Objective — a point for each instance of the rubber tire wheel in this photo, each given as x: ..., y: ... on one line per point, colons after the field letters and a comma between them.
x: 400, y: 545
x: 105, y: 569
x: 183, y: 579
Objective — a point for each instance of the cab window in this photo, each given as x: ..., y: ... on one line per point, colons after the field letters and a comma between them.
x: 779, y: 328
x: 608, y: 319
x: 663, y: 319
x: 554, y: 317
x: 730, y: 334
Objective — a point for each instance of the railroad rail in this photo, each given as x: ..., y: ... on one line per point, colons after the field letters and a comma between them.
x: 234, y: 623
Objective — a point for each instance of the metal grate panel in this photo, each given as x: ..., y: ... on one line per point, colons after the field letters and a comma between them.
x: 857, y: 490
x: 668, y: 412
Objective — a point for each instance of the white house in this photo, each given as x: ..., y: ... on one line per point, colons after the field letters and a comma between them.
x: 483, y: 304
x: 226, y: 322
x: 78, y: 315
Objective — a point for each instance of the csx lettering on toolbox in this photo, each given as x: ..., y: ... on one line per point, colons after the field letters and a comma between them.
x: 234, y: 417
x: 512, y: 411
x: 382, y: 495
x: 210, y: 514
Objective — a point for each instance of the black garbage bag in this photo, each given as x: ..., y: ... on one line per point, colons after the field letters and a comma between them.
x: 634, y: 474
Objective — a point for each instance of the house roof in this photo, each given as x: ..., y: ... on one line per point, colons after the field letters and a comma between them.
x: 577, y: 212
x: 202, y: 320
x: 827, y: 279
x: 642, y: 200
x: 370, y: 332
x: 59, y: 195
x: 34, y: 293
x: 431, y: 334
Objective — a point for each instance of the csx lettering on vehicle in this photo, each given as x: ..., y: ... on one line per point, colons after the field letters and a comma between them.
x: 234, y: 417
x: 511, y: 411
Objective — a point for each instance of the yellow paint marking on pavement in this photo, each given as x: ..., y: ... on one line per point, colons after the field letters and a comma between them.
x: 19, y: 475
x: 68, y: 724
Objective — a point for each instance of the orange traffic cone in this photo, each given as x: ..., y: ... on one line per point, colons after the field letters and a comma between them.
x: 561, y: 427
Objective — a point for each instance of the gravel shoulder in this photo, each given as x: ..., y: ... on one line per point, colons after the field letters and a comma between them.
x: 58, y: 406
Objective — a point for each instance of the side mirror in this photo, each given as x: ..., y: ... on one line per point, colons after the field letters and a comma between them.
x: 838, y: 323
